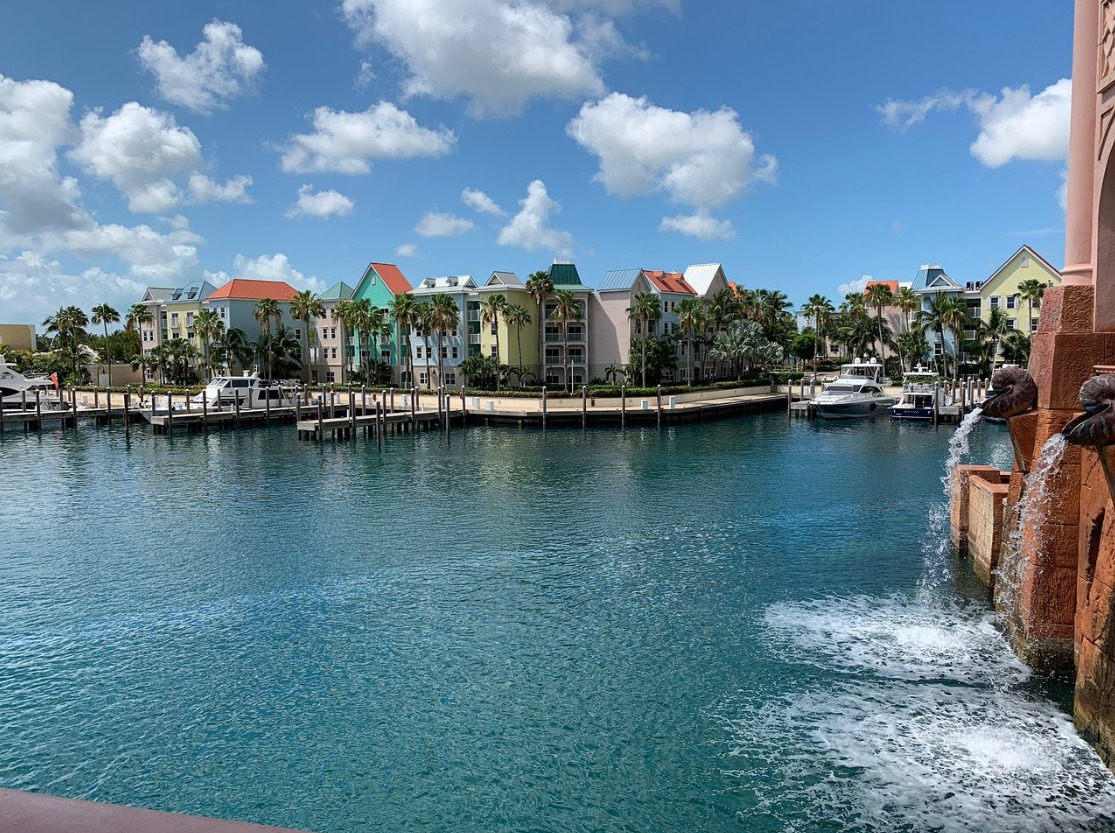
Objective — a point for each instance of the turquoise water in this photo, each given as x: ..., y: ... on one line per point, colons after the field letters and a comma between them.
x: 742, y: 626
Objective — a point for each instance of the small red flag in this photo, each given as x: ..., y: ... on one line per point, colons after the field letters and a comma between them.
x: 54, y: 378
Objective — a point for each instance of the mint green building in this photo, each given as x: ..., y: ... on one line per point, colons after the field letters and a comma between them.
x: 380, y: 284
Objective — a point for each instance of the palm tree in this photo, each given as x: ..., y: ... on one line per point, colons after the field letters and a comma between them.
x: 773, y: 306
x: 175, y: 358
x: 234, y: 347
x: 446, y: 317
x: 518, y: 316
x: 345, y: 314
x: 645, y: 309
x: 492, y: 309
x: 404, y: 309
x: 1031, y: 290
x: 267, y: 309
x: 306, y: 306
x: 879, y: 296
x: 907, y: 301
x: 540, y: 285
x: 138, y: 315
x: 692, y: 319
x: 424, y: 323
x: 946, y: 312
x: 105, y: 314
x: 992, y: 331
x: 566, y: 308
x: 68, y: 325
x: 819, y: 310
x: 208, y: 326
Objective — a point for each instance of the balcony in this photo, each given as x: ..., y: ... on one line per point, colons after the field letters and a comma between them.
x: 474, y: 338
x: 473, y: 315
x: 557, y: 361
x: 575, y: 337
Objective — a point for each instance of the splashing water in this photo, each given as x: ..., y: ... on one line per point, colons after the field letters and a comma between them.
x: 936, y: 545
x: 1031, y: 512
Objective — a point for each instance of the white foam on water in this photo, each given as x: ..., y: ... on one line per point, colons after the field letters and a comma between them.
x: 920, y: 724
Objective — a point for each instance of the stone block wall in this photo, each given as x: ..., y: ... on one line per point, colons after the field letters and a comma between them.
x: 986, y: 495
x: 959, y: 502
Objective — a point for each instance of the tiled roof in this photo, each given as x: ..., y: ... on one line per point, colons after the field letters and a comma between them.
x: 565, y: 274
x: 670, y: 282
x: 339, y: 291
x: 892, y: 285
x: 619, y: 280
x: 701, y: 275
x: 389, y: 273
x: 243, y: 289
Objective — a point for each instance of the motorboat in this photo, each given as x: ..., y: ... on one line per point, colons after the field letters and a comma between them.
x: 230, y: 393
x: 20, y: 391
x: 857, y: 392
x: 922, y: 396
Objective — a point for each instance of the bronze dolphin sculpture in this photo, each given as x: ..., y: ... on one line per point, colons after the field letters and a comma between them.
x: 1013, y: 392
x: 1096, y: 426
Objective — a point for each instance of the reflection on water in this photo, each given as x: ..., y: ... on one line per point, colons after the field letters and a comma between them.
x: 718, y: 627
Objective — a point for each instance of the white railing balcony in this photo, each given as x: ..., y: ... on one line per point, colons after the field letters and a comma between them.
x: 553, y: 338
x: 473, y: 315
x: 557, y: 361
x: 474, y: 338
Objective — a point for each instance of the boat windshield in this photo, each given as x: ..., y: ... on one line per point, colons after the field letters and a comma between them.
x: 841, y: 389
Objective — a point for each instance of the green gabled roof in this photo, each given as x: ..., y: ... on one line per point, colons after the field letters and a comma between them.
x: 339, y: 291
x: 565, y: 274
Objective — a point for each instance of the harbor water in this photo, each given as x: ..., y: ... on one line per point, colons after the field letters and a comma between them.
x: 752, y: 625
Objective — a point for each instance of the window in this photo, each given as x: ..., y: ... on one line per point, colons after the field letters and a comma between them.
x: 332, y: 332
x: 445, y: 352
x: 223, y: 311
x: 424, y: 379
x: 450, y: 378
x: 1025, y: 262
x: 333, y: 355
x: 1012, y: 302
x: 418, y: 352
x: 454, y: 352
x: 189, y: 319
x: 1012, y: 323
x: 453, y: 332
x: 177, y: 335
x: 495, y: 350
x: 330, y: 376
x: 298, y: 333
x: 189, y: 334
x: 174, y: 319
x: 995, y: 300
x: 494, y: 325
x: 385, y: 356
x: 1033, y: 325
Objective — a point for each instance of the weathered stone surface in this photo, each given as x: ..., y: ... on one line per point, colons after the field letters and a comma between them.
x: 1095, y: 692
x: 985, y: 524
x: 1061, y: 362
x: 1023, y: 430
x: 958, y: 501
x: 1067, y: 309
x: 1048, y: 604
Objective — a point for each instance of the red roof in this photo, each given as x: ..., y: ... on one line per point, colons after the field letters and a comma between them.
x: 670, y: 282
x: 893, y: 285
x: 243, y: 289
x: 389, y: 273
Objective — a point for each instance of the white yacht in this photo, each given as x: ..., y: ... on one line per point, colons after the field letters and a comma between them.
x: 16, y: 388
x: 224, y: 392
x: 919, y: 389
x: 856, y: 392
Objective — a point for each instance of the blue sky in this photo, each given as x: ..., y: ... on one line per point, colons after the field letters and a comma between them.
x: 804, y: 144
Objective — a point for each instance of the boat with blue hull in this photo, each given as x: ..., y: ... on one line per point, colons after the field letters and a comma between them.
x: 922, y: 397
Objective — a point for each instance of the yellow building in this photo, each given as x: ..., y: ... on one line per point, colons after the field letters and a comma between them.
x: 1004, y: 289
x: 17, y: 336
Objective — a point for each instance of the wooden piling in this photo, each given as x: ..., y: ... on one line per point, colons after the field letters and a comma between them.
x: 623, y: 405
x: 659, y: 406
x: 204, y: 413
x: 169, y: 412
x: 413, y: 410
x: 127, y: 416
x: 39, y: 410
x: 545, y: 407
x: 584, y: 406
x: 320, y: 418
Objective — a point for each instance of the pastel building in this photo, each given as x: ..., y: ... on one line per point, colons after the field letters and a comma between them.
x: 327, y: 351
x: 172, y: 313
x: 17, y: 336
x: 613, y: 330
x: 566, y: 344
x: 380, y: 284
x: 453, y: 348
x: 517, y: 347
x: 235, y: 304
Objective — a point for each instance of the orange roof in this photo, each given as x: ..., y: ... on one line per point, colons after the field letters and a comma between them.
x: 670, y: 282
x: 893, y: 285
x: 394, y: 279
x: 243, y: 289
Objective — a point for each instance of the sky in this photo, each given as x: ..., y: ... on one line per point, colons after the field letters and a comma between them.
x: 804, y: 144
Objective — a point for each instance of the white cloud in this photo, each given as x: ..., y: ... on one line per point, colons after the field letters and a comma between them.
x: 364, y: 76
x: 699, y: 225
x: 406, y: 250
x: 33, y: 286
x: 1063, y: 190
x: 616, y: 7
x: 320, y: 204
x: 702, y: 159
x: 275, y: 267
x: 1013, y: 125
x: 343, y: 142
x: 138, y: 149
x: 496, y: 53
x: 1020, y: 126
x: 222, y: 67
x: 857, y: 286
x: 479, y: 201
x: 528, y: 228
x: 435, y: 224
x: 203, y: 189
x: 34, y: 124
